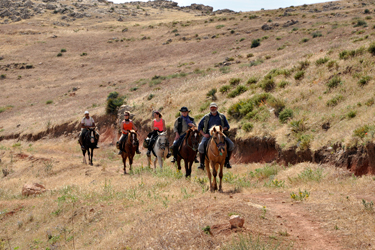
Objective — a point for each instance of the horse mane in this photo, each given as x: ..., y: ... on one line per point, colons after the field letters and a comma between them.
x: 132, y: 131
x: 218, y: 129
x: 163, y: 133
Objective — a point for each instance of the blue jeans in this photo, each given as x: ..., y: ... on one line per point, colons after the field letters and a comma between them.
x: 179, y: 140
x: 227, y: 140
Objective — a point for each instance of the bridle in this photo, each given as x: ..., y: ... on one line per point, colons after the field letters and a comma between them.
x: 194, y: 137
x: 163, y: 145
x: 220, y: 145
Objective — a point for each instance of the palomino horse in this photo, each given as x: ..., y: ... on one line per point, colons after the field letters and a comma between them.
x: 188, y: 149
x: 216, y: 153
x: 130, y: 146
x: 161, y: 149
x: 89, y: 142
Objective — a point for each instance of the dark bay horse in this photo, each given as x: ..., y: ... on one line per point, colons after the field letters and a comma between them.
x: 188, y: 150
x: 216, y: 154
x: 89, y: 142
x: 130, y: 146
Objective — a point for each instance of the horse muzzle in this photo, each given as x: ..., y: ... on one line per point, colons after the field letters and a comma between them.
x: 92, y: 140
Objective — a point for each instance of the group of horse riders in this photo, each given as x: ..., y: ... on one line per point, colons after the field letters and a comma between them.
x: 182, y: 124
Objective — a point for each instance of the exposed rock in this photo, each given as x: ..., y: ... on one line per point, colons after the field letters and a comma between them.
x: 236, y: 221
x: 33, y: 189
x: 290, y: 23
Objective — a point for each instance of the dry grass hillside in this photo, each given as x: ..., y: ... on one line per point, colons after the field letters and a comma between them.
x: 302, y: 75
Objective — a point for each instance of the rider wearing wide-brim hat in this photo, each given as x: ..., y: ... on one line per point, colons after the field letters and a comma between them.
x: 86, y: 123
x: 126, y: 126
x: 181, y: 125
x: 214, y: 118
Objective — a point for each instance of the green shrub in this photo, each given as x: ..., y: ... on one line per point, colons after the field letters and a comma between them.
x: 351, y: 114
x: 235, y: 81
x: 321, y: 61
x: 304, y: 40
x: 242, y: 39
x: 225, y: 89
x: 150, y: 96
x: 212, y: 94
x: 59, y: 54
x: 370, y: 102
x: 360, y: 23
x: 220, y: 26
x: 364, y: 80
x: 285, y: 115
x: 299, y: 75
x: 283, y: 84
x: 174, y: 31
x: 113, y: 102
x: 303, y: 65
x: 49, y: 102
x: 134, y: 89
x: 63, y: 50
x: 240, y: 109
x: 298, y: 126
x: 334, y: 82
x: 255, y: 43
x: 316, y: 34
x: 361, y: 132
x: 331, y: 64
x: 253, y: 16
x: 334, y: 101
x: 252, y: 80
x: 83, y: 54
x: 238, y: 91
x: 247, y: 126
x: 265, y: 37
x: 249, y: 55
x: 225, y: 69
x: 278, y: 38
x: 268, y: 84
x: 204, y: 106
x: 3, y: 76
x: 278, y: 105
x: 371, y: 48
x: 304, y: 141
x: 367, y: 11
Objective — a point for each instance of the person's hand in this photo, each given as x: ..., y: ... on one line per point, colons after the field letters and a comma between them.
x: 177, y: 136
x: 155, y: 128
x: 191, y: 124
x: 207, y: 135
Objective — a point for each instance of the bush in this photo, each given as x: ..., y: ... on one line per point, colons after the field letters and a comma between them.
x: 59, y: 54
x: 316, y: 34
x: 370, y: 102
x: 268, y: 84
x: 255, y: 43
x: 252, y: 80
x: 278, y: 105
x: 321, y: 61
x: 334, y: 82
x: 3, y: 76
x: 283, y: 84
x: 212, y: 94
x: 285, y: 115
x: 240, y: 109
x: 150, y: 96
x: 238, y: 91
x: 225, y: 89
x: 225, y: 69
x: 334, y: 101
x: 113, y: 102
x: 249, y: 55
x: 299, y: 75
x: 49, y: 102
x: 364, y: 80
x: 220, y: 26
x: 361, y: 132
x: 304, y: 40
x: 235, y: 81
x: 242, y: 39
x: 63, y: 50
x: 298, y: 126
x: 351, y: 114
x: 253, y: 16
x: 361, y: 23
x: 371, y: 49
x: 331, y: 63
x: 83, y: 54
x: 278, y: 38
x: 303, y: 65
x: 367, y: 11
x: 247, y: 126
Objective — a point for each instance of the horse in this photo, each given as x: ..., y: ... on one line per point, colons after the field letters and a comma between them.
x: 160, y: 148
x: 216, y: 154
x: 188, y: 150
x: 130, y: 146
x: 89, y: 142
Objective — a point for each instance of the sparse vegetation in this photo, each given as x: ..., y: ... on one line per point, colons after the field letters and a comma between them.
x: 334, y: 82
x: 234, y: 81
x: 114, y: 101
x: 255, y: 43
x: 237, y: 91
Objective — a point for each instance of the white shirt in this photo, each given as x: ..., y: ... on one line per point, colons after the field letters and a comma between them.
x: 87, y: 122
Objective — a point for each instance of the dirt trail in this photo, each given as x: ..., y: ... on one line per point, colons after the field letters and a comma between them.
x: 301, y: 224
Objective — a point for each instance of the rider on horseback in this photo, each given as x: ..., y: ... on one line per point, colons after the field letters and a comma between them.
x: 211, y: 119
x: 158, y: 126
x: 126, y: 126
x: 86, y: 123
x: 181, y: 125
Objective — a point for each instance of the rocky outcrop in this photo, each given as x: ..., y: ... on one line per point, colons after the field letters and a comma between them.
x: 33, y: 189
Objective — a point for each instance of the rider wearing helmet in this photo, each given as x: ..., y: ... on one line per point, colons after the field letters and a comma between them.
x: 214, y: 118
x: 126, y: 126
x: 86, y: 123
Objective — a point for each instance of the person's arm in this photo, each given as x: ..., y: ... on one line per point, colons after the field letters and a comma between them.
x: 226, y: 124
x: 122, y: 127
x: 200, y: 128
x: 134, y: 127
x: 175, y: 130
x: 164, y: 128
x: 152, y: 125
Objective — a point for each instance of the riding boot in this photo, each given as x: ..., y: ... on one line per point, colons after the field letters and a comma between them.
x: 202, y: 159
x: 80, y: 141
x: 227, y: 164
x: 97, y: 139
x: 196, y: 159
x: 174, y: 151
x: 169, y: 153
x: 137, y: 150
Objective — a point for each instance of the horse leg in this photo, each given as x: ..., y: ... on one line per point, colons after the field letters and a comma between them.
x: 84, y: 156
x: 160, y: 160
x: 178, y: 163
x: 207, y: 164
x: 221, y: 178
x: 190, y: 164
x: 186, y: 168
x: 92, y: 154
x: 124, y: 161
x: 130, y: 162
x: 214, y: 173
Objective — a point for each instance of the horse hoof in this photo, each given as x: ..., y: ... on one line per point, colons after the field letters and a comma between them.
x: 124, y: 172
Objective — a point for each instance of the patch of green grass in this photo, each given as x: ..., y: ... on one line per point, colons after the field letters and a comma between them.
x: 308, y: 174
x: 225, y: 69
x: 360, y: 23
x: 268, y: 84
x: 283, y: 84
x: 235, y: 81
x: 285, y: 115
x: 334, y: 82
x: 49, y: 102
x: 265, y: 172
x: 304, y: 40
x: 351, y: 114
x: 321, y: 61
x: 225, y: 89
x: 204, y: 106
x: 316, y: 34
x: 150, y: 96
x: 220, y: 26
x: 299, y: 75
x: 247, y: 127
x: 364, y: 80
x: 334, y: 101
x: 252, y: 80
x: 237, y: 91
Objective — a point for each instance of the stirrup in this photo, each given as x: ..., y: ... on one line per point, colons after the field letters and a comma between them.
x: 196, y: 160
x: 169, y: 154
x: 137, y: 152
x: 201, y: 166
x: 227, y: 165
x: 173, y: 160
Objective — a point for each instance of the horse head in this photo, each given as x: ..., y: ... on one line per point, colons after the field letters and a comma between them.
x: 132, y: 137
x: 194, y: 136
x: 162, y: 141
x: 218, y: 137
x: 91, y: 134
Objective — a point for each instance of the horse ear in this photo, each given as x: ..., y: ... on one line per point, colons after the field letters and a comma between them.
x: 221, y: 128
x: 214, y: 129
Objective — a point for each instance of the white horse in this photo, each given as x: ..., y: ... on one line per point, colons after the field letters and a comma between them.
x: 161, y: 149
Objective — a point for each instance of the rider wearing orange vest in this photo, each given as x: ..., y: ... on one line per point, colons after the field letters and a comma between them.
x: 158, y: 126
x: 126, y: 126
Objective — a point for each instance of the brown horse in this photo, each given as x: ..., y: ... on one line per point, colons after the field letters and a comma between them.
x: 188, y: 149
x: 130, y: 147
x: 216, y: 154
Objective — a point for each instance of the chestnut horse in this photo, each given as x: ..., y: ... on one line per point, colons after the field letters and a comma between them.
x: 188, y: 149
x: 130, y: 147
x: 216, y: 153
